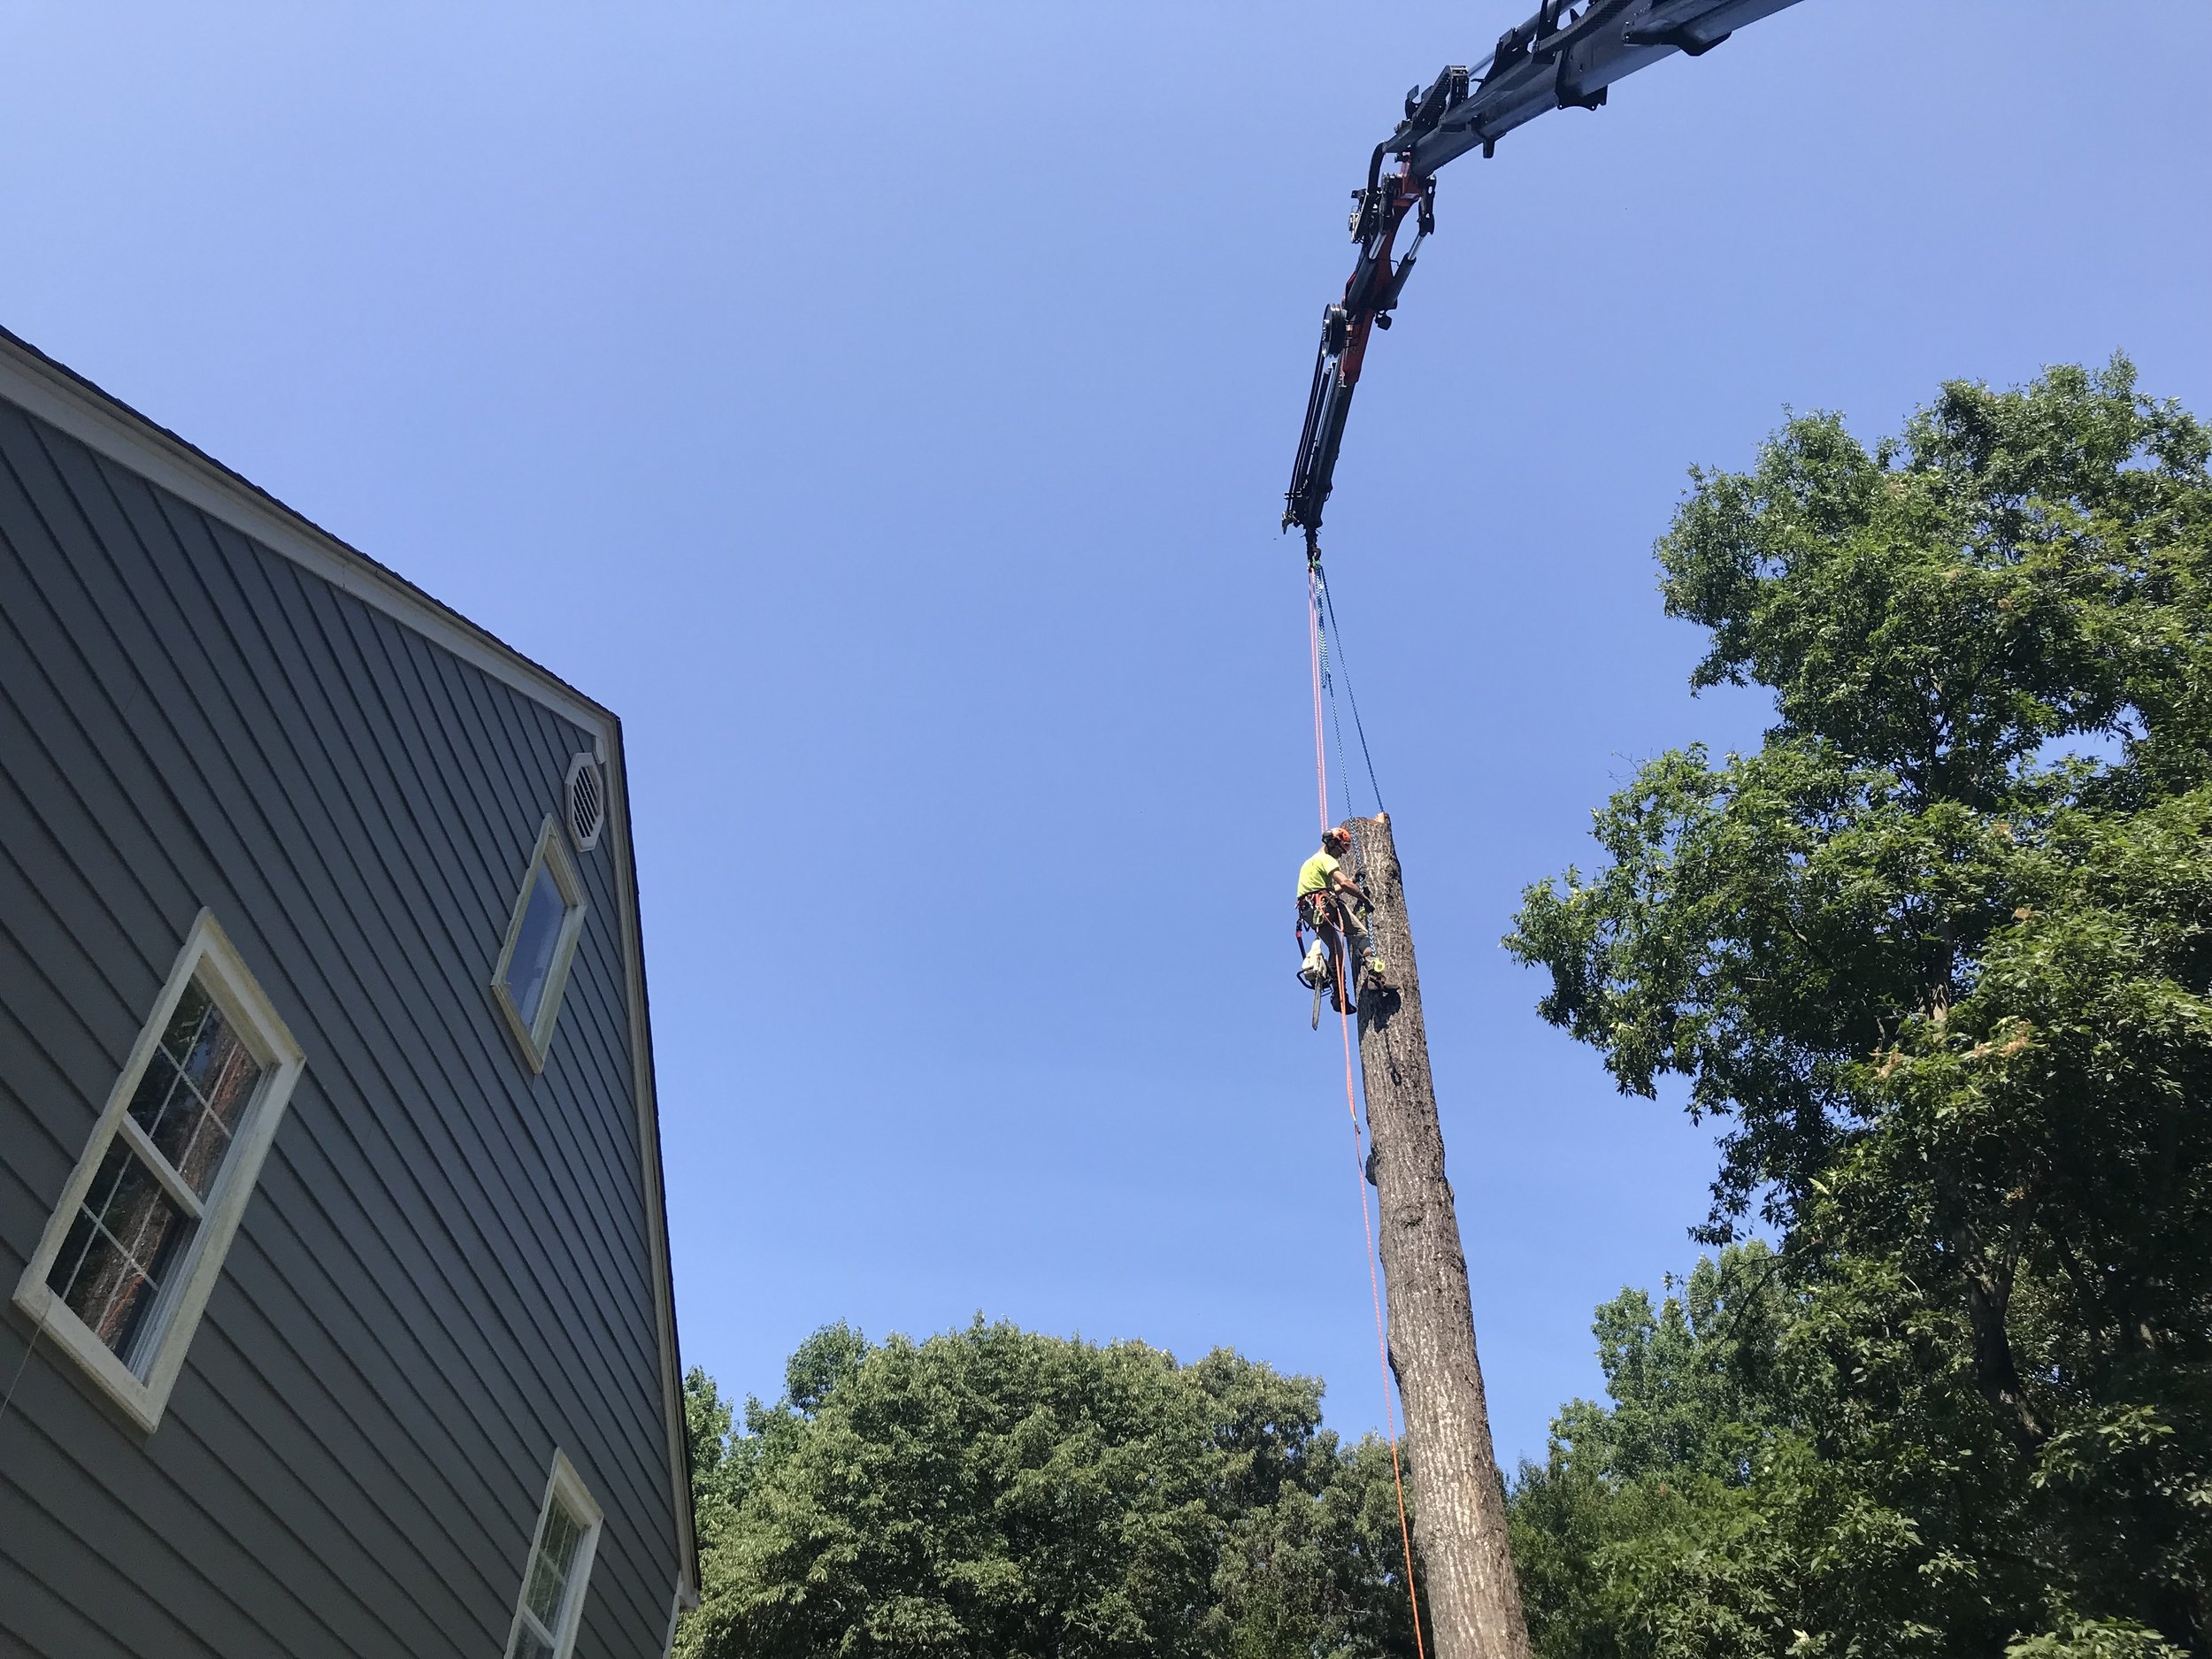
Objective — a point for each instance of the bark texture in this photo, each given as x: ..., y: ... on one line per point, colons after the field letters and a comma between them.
x: 1474, y: 1601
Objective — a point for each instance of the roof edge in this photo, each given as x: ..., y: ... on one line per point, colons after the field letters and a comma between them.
x: 58, y: 394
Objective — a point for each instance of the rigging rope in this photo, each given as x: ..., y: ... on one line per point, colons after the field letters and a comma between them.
x: 1382, y: 1347
x: 1316, y: 600
x: 1313, y: 650
x: 22, y: 1365
x: 1336, y: 721
x: 1324, y: 624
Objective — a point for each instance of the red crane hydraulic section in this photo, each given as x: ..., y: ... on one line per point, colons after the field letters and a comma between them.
x: 1564, y: 57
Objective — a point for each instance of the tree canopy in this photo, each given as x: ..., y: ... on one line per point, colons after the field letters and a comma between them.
x: 991, y: 1491
x: 1936, y: 958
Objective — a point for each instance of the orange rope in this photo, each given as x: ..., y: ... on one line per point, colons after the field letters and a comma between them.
x: 1359, y: 1161
x: 1382, y: 1351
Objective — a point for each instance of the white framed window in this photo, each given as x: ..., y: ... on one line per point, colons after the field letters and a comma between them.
x: 551, y: 1604
x: 540, y: 941
x: 132, y: 1250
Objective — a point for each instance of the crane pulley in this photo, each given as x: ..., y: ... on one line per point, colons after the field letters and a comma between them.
x: 1565, y: 56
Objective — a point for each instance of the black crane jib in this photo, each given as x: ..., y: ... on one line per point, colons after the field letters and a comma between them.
x: 1564, y: 57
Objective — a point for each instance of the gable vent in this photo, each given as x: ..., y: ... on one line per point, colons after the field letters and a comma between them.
x: 586, y: 796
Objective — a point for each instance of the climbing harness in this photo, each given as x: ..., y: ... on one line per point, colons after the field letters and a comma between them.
x: 1318, y: 606
x: 1332, y: 919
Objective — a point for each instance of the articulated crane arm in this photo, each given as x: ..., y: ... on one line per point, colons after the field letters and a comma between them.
x: 1564, y: 57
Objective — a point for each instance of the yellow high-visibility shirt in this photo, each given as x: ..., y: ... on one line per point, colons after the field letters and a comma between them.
x: 1313, y: 875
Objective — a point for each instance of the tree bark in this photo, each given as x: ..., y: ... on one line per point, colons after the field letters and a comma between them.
x: 1474, y: 1601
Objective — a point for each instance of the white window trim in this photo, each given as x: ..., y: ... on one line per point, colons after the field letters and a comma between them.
x: 566, y: 1487
x: 536, y: 1041
x: 209, y: 955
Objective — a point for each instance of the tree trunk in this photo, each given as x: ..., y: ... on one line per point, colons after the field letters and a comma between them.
x: 1474, y: 1603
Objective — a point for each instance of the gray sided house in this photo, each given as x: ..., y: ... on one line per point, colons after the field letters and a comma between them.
x: 333, y: 1264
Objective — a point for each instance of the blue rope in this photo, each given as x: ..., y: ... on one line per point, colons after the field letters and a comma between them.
x: 1328, y: 684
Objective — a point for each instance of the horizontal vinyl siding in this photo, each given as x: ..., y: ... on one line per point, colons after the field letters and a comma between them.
x: 443, y: 1273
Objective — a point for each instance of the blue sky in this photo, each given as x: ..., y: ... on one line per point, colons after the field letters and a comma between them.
x: 886, y: 409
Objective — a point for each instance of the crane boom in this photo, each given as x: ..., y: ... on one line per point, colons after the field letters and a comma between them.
x: 1564, y: 57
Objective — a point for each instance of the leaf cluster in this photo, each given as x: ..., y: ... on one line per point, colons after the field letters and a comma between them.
x: 994, y: 1491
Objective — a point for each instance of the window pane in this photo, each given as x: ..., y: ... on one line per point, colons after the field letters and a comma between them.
x: 224, y: 1090
x: 118, y: 1255
x: 225, y: 1081
x: 164, y: 1100
x: 534, y: 941
x: 182, y: 1034
x: 550, y: 1564
x: 196, y: 1087
x: 529, y: 1643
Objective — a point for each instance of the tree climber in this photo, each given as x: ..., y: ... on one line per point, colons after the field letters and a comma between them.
x: 1332, y: 905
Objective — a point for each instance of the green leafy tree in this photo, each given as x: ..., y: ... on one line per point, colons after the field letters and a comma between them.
x: 1694, y: 1515
x: 1936, y: 956
x: 995, y: 1492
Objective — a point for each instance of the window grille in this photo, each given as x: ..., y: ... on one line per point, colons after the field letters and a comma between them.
x: 130, y: 1252
x: 551, y: 1605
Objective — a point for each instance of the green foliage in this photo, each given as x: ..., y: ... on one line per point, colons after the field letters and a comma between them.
x: 993, y: 1491
x: 1694, y: 1515
x: 714, y: 1461
x: 2098, y: 1639
x: 1949, y: 988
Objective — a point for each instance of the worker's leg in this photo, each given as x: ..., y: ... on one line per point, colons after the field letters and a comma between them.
x: 1355, y: 942
x: 1340, y: 974
x: 1362, y: 946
